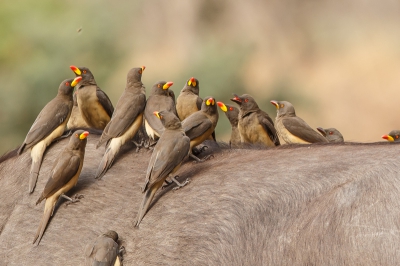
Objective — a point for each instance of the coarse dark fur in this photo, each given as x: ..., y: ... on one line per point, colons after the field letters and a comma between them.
x: 327, y: 204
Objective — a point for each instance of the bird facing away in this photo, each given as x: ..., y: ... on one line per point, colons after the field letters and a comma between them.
x: 393, y: 136
x: 49, y: 125
x: 168, y: 154
x: 255, y: 126
x: 200, y: 125
x: 104, y: 251
x: 331, y: 134
x: 94, y: 104
x: 125, y: 121
x: 188, y: 100
x: 63, y: 177
x: 161, y: 98
x: 232, y: 113
x: 76, y: 120
x: 291, y: 128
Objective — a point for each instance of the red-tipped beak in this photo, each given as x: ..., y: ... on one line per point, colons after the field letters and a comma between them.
x: 388, y: 138
x: 222, y: 106
x: 76, y: 70
x: 84, y: 135
x: 143, y: 68
x: 167, y: 85
x: 236, y: 99
x: 276, y: 104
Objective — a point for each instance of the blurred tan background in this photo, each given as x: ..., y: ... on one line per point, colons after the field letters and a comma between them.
x: 338, y: 62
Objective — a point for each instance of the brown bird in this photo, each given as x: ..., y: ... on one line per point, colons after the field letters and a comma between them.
x: 255, y: 125
x: 188, y: 100
x: 104, y: 251
x: 161, y: 98
x: 331, y: 134
x: 293, y: 129
x: 170, y: 151
x: 49, y: 125
x: 200, y: 125
x: 94, y: 104
x: 393, y: 136
x: 63, y: 177
x: 126, y: 120
x: 232, y: 113
x: 76, y: 120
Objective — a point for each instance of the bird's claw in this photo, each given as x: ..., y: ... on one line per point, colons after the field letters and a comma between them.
x: 181, y: 184
x: 75, y: 198
x: 168, y: 183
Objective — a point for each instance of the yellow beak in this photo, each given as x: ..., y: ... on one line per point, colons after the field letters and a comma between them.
x: 84, y: 135
x: 76, y: 81
x: 222, y: 106
x: 157, y: 114
x: 167, y: 85
x: 76, y: 70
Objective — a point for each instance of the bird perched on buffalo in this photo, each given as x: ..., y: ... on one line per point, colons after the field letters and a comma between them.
x: 104, y: 251
x: 126, y: 120
x: 76, y: 120
x: 168, y: 154
x: 94, y: 104
x: 49, y: 125
x: 255, y: 126
x: 63, y: 177
x: 393, y: 136
x: 331, y: 134
x: 161, y: 98
x: 232, y: 113
x: 188, y: 100
x: 291, y: 128
x: 200, y: 125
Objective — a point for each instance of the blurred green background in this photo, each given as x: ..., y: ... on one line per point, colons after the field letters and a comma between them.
x: 338, y: 62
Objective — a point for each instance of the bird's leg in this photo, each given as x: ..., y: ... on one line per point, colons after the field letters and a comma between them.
x: 74, y: 199
x: 203, y: 148
x: 198, y: 160
x: 121, y: 252
x: 167, y: 183
x: 138, y: 146
x: 179, y: 184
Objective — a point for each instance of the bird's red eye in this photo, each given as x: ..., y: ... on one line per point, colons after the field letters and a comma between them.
x: 159, y: 85
x: 282, y: 105
x: 84, y: 71
x: 397, y: 136
x: 246, y: 100
x: 230, y: 108
x: 140, y: 71
x: 330, y: 132
x: 76, y: 135
x: 66, y: 83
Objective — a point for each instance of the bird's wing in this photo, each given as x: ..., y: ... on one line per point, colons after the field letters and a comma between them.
x: 169, y: 152
x: 51, y: 116
x: 104, y: 101
x: 268, y: 126
x: 199, y: 102
x: 196, y: 125
x: 66, y: 167
x: 128, y: 108
x: 297, y: 127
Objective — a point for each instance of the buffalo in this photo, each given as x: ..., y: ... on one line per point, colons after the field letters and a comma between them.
x: 313, y: 204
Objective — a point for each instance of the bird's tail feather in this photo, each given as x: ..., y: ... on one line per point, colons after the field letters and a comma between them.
x: 37, y: 157
x: 48, y: 212
x: 108, y: 158
x: 148, y: 197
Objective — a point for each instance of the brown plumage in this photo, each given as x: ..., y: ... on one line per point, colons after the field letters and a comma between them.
x: 331, y: 134
x: 170, y: 151
x: 200, y: 125
x: 126, y: 120
x: 188, y: 100
x: 291, y: 128
x: 104, y: 251
x: 63, y: 177
x: 49, y: 125
x: 76, y: 120
x: 255, y: 125
x: 161, y: 98
x: 94, y: 104
x: 232, y: 113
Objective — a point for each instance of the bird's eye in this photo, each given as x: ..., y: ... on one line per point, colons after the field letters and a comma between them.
x: 161, y: 116
x: 397, y: 136
x: 230, y: 108
x: 140, y: 71
x: 282, y: 105
x: 330, y: 132
x: 76, y: 135
x: 66, y: 83
x: 159, y: 85
x: 246, y: 100
x: 84, y: 71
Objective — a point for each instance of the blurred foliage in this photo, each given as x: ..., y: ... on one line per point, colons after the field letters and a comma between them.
x: 312, y: 53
